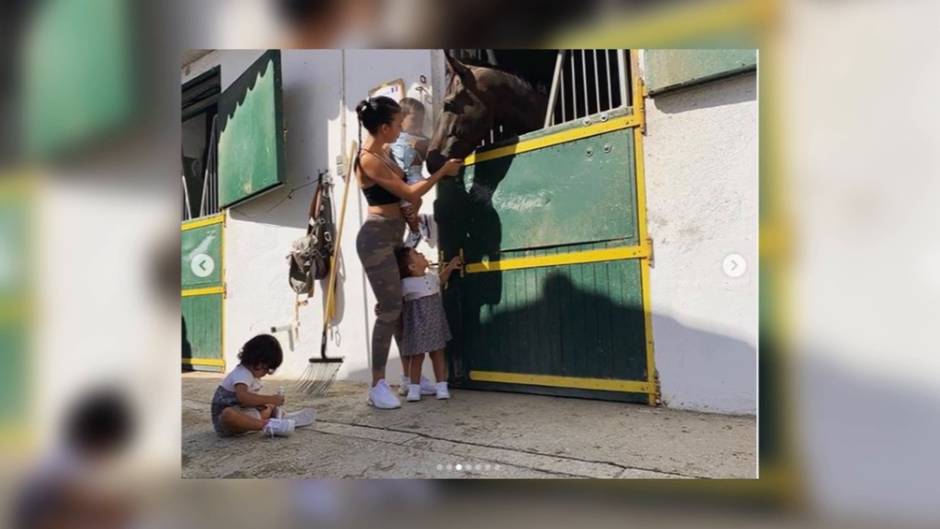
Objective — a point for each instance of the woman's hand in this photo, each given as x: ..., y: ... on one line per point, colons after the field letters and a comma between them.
x: 277, y: 400
x: 452, y: 167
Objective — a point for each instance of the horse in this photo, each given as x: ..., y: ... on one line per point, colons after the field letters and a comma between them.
x: 476, y: 98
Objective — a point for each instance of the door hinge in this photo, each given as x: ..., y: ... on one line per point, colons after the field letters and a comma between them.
x: 657, y: 396
x: 641, y: 86
x: 649, y: 243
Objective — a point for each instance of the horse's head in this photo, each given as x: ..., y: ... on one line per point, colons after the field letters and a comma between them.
x: 476, y: 98
x: 466, y: 118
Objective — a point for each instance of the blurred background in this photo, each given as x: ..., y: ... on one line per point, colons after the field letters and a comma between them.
x: 850, y: 259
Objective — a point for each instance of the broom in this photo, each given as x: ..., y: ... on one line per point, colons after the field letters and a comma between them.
x: 322, y: 370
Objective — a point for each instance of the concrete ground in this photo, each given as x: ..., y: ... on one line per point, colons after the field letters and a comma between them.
x: 489, y: 434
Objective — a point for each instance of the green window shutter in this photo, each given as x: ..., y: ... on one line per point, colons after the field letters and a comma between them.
x: 251, y: 139
x: 667, y: 69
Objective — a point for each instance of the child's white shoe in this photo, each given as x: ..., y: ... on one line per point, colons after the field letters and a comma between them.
x: 441, y: 390
x: 414, y: 393
x: 414, y: 237
x: 278, y: 427
x: 381, y: 396
x: 301, y: 418
x: 428, y: 387
x: 403, y: 387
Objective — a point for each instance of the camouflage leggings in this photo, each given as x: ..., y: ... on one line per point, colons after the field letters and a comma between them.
x: 375, y: 244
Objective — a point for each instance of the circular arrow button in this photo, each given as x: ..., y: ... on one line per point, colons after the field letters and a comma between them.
x: 202, y: 265
x: 734, y: 265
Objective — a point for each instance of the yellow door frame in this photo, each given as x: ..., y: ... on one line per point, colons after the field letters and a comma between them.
x: 204, y: 291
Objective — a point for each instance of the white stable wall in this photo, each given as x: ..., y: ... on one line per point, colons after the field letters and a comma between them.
x: 702, y: 203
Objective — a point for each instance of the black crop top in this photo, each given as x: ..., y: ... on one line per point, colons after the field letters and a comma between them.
x: 377, y: 195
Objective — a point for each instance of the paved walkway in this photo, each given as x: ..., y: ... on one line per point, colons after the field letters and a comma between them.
x: 489, y: 434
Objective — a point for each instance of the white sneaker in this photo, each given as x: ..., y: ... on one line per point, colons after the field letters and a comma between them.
x: 414, y: 393
x: 301, y: 418
x: 403, y: 387
x: 441, y: 390
x: 278, y: 427
x: 427, y: 387
x: 381, y: 396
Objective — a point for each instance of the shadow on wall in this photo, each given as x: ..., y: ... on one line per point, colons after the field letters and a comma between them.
x: 703, y: 370
x: 868, y: 441
x: 288, y: 206
x: 737, y: 88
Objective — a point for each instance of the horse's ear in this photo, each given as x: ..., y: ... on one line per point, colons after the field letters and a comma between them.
x: 458, y: 67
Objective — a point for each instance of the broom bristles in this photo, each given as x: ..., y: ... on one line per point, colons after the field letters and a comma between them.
x: 318, y: 378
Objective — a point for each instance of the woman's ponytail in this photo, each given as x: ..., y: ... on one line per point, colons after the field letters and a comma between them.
x: 372, y: 113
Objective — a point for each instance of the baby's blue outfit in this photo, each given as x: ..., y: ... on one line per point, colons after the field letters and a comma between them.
x: 405, y: 155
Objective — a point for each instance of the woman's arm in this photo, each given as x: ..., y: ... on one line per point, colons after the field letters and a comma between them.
x: 249, y: 399
x: 382, y: 175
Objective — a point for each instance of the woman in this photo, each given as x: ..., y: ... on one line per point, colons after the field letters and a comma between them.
x: 383, y: 184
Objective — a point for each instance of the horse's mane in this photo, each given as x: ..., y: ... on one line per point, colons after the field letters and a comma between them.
x: 519, y: 81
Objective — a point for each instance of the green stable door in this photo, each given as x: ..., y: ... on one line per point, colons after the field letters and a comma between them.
x: 203, y: 294
x: 551, y: 300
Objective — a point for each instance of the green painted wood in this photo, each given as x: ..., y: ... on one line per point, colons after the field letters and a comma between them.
x: 667, y: 69
x: 17, y: 271
x: 251, y: 139
x: 539, y: 198
x: 14, y: 387
x: 202, y: 328
x: 14, y: 247
x: 78, y: 77
x: 201, y: 257
x: 582, y: 320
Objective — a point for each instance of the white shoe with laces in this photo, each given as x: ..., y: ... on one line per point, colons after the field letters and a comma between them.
x: 381, y: 396
x: 441, y: 391
x: 414, y: 393
x: 278, y: 427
